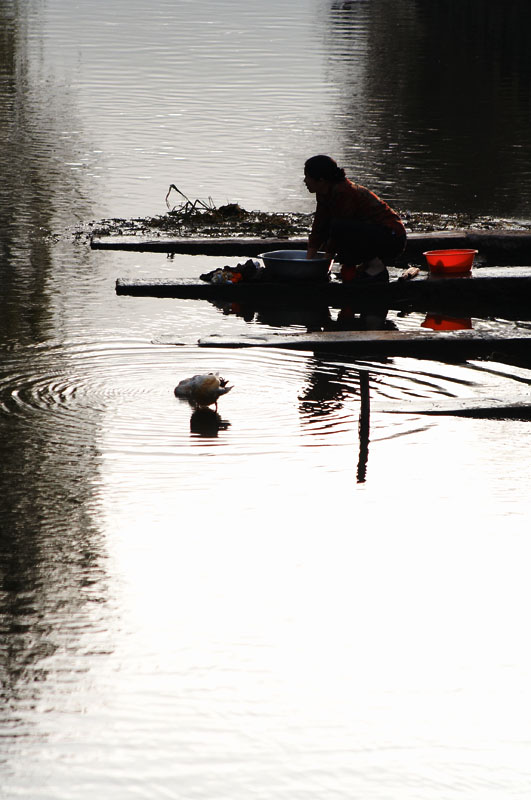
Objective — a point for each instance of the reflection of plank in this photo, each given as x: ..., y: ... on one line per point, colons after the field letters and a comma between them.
x: 414, y: 343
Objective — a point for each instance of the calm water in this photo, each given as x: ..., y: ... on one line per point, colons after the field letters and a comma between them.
x: 285, y: 607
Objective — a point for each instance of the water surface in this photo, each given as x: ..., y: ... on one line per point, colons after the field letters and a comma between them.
x: 326, y: 593
x: 427, y: 103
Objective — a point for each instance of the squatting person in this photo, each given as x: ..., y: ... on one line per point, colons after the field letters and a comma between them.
x: 351, y: 223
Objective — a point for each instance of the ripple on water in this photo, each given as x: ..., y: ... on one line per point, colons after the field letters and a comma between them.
x: 125, y: 390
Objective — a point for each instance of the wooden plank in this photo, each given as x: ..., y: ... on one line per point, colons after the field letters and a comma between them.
x: 483, y: 408
x: 504, y: 291
x: 198, y: 245
x: 498, y: 246
x: 455, y: 345
x: 458, y: 345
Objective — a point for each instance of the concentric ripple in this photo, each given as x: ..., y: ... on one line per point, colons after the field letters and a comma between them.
x: 126, y: 390
x: 64, y: 379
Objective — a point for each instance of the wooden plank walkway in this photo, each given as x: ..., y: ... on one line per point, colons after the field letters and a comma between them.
x: 479, y: 408
x: 495, y: 247
x: 503, y: 290
x: 456, y: 345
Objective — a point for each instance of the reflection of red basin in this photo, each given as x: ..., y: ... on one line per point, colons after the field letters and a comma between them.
x: 439, y: 323
x: 450, y: 260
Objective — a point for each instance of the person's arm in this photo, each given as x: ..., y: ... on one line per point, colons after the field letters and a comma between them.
x: 319, y: 230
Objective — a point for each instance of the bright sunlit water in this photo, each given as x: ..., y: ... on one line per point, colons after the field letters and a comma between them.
x: 322, y: 597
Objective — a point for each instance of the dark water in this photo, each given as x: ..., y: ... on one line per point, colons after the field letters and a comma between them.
x: 104, y: 105
x: 319, y: 596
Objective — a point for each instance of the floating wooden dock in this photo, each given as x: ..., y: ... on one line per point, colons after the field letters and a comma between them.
x: 518, y: 408
x: 505, y: 291
x: 457, y: 345
x: 494, y: 247
x: 454, y: 346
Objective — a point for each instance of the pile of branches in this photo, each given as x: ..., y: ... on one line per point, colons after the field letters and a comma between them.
x: 188, y: 208
x: 191, y: 216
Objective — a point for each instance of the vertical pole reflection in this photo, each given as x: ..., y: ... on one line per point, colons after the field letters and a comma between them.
x: 364, y: 426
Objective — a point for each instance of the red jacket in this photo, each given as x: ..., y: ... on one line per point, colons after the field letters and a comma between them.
x: 349, y: 201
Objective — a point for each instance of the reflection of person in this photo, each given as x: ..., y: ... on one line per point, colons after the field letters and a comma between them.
x: 351, y: 223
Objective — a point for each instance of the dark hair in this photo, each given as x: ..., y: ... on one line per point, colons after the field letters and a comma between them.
x: 324, y: 167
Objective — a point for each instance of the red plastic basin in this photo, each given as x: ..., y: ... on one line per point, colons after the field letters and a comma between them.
x: 450, y: 260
